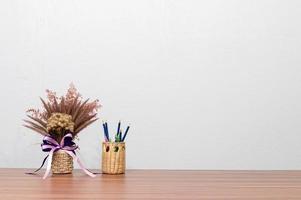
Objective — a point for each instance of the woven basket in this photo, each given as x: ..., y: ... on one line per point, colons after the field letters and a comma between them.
x: 113, y: 158
x: 62, y: 163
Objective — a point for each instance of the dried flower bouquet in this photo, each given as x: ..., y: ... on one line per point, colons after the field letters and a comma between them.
x: 60, y: 121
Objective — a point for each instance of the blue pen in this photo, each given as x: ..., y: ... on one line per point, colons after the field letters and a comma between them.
x: 105, y: 132
x: 126, y: 132
x: 118, y: 129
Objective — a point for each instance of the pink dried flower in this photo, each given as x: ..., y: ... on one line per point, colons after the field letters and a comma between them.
x: 51, y: 96
x: 83, y: 113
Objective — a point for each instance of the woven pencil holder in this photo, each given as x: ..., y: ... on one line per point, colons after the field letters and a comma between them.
x: 62, y: 163
x: 113, y: 157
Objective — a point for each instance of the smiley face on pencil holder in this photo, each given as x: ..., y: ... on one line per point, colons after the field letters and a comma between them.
x: 113, y: 158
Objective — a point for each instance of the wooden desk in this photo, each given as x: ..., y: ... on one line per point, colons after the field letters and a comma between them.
x: 153, y: 184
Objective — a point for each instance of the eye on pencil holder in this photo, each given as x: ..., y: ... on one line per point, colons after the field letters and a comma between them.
x: 113, y: 157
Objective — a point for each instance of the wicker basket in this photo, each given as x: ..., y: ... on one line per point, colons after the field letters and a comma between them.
x: 62, y: 163
x: 113, y: 158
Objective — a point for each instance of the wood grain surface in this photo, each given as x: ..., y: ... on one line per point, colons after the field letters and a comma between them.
x: 153, y: 184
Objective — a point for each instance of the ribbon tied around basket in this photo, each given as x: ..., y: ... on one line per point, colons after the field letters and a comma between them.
x: 67, y: 145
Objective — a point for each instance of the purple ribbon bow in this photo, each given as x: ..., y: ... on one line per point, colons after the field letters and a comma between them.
x: 66, y: 145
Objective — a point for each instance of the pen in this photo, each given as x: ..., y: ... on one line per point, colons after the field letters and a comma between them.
x: 126, y: 132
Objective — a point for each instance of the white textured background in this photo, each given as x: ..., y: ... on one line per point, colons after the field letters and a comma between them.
x: 205, y: 84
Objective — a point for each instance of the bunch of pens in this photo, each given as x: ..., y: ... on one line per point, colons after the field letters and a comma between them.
x: 113, y: 151
x: 118, y: 137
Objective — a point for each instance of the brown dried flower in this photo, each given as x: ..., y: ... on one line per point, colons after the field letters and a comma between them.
x: 70, y: 107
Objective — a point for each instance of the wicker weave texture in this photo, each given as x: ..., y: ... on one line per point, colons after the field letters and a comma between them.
x: 113, y: 158
x: 62, y: 163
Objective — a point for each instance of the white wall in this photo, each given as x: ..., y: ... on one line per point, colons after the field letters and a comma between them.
x: 205, y: 84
